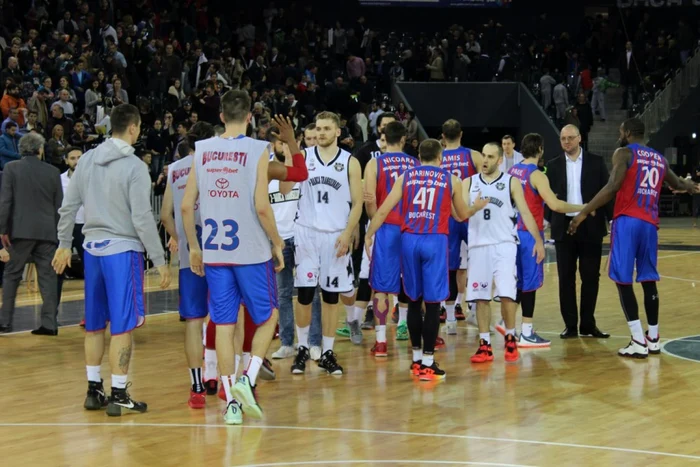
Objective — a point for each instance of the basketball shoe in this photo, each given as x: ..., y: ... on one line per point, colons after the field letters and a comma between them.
x: 395, y: 314
x: 439, y: 343
x: 431, y: 373
x: 634, y: 350
x: 415, y: 369
x: 266, y: 371
x: 443, y: 314
x: 533, y: 341
x: 299, y: 365
x: 368, y: 323
x: 484, y: 353
x: 233, y: 415
x: 402, y: 331
x: 512, y: 354
x: 96, y: 398
x: 653, y: 344
x: 120, y: 402
x: 329, y: 363
x: 459, y: 313
x: 211, y: 387
x: 451, y: 328
x: 380, y: 349
x: 197, y: 400
x: 244, y: 392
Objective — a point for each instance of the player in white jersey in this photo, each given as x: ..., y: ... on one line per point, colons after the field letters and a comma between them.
x: 493, y: 248
x: 229, y: 175
x: 329, y: 211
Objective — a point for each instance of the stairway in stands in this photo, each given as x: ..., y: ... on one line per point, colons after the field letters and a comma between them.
x: 602, y: 139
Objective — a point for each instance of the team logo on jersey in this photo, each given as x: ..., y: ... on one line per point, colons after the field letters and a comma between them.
x: 475, y: 285
x: 500, y: 186
x: 339, y: 166
x: 221, y: 183
x: 484, y: 285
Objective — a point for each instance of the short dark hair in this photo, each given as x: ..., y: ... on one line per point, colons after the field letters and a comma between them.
x: 508, y: 137
x: 123, y: 116
x: 198, y: 132
x: 11, y: 124
x: 430, y: 150
x: 311, y: 126
x: 393, y: 132
x: 531, y: 145
x: 384, y: 116
x: 451, y: 129
x: 273, y: 134
x: 635, y: 126
x: 235, y: 105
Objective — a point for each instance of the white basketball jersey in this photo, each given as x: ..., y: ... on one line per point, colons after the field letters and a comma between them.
x: 496, y: 223
x: 226, y: 178
x: 284, y: 206
x: 325, y: 196
x: 178, y: 173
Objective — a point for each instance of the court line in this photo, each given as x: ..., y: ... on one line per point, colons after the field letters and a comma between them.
x: 663, y: 348
x: 679, y: 278
x: 359, y: 430
x: 679, y: 254
x: 385, y: 461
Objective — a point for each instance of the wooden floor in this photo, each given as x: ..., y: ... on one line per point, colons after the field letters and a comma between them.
x: 574, y: 404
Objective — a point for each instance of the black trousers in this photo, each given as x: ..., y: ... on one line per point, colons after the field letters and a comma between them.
x: 587, y: 255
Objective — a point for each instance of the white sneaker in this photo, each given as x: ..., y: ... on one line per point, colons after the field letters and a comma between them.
x: 452, y: 328
x: 284, y: 352
x: 315, y: 353
x: 654, y: 345
x: 471, y: 319
x: 634, y: 350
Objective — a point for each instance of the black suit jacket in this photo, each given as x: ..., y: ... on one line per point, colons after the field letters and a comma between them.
x: 594, y: 176
x: 30, y: 197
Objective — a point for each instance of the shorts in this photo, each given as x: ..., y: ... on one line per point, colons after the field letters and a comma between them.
x: 459, y: 232
x: 194, y: 292
x: 385, y: 269
x: 489, y: 265
x: 364, y: 266
x: 317, y: 264
x: 633, y: 242
x: 463, y: 257
x: 252, y: 284
x: 530, y: 274
x: 424, y: 267
x: 114, y: 292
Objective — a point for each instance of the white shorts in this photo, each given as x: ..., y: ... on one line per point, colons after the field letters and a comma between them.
x: 463, y: 257
x: 492, y: 267
x: 364, y: 266
x: 316, y: 263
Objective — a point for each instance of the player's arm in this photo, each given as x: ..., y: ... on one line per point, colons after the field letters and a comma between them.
x: 297, y: 171
x: 679, y: 184
x: 380, y: 216
x: 167, y: 215
x: 541, y: 183
x: 516, y: 192
x: 189, y: 200
x: 370, y: 191
x: 264, y: 210
x: 462, y: 209
x: 69, y: 209
x: 344, y: 242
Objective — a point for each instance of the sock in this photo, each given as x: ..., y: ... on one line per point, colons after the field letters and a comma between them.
x: 119, y: 381
x: 442, y: 304
x: 417, y: 355
x: 237, y: 358
x: 485, y: 336
x: 303, y: 336
x: 328, y: 343
x: 510, y: 332
x: 196, y: 380
x: 459, y: 299
x: 253, y: 368
x: 403, y: 313
x: 359, y: 314
x: 226, y: 381
x: 427, y: 359
x: 246, y: 359
x: 210, y: 363
x: 350, y: 313
x: 526, y: 329
x: 380, y: 331
x: 93, y: 372
x: 637, y: 331
x: 653, y: 332
x: 395, y: 301
x: 450, y: 312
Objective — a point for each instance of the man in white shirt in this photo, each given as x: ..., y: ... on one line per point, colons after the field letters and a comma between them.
x: 510, y: 155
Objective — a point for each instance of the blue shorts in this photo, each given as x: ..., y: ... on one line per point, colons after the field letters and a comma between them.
x: 193, y: 295
x: 114, y: 292
x: 424, y: 267
x: 252, y: 284
x: 633, y: 241
x: 530, y: 274
x: 385, y: 267
x: 459, y: 232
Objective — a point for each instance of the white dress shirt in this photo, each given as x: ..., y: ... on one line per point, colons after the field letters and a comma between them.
x: 573, y: 180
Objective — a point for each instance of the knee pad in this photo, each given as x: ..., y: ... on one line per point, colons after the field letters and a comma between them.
x: 305, y: 295
x: 329, y: 297
x: 453, y: 286
x: 364, y: 292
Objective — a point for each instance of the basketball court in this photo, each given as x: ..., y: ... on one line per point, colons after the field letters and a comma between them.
x: 577, y: 403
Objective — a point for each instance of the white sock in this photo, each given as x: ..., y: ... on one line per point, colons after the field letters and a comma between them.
x: 442, y: 304
x: 510, y: 332
x: 328, y: 343
x: 460, y: 298
x: 246, y: 359
x: 359, y: 313
x: 350, y: 313
x: 210, y: 363
x: 119, y: 381
x: 637, y: 331
x: 303, y: 336
x: 526, y: 329
x: 226, y: 381
x: 428, y: 360
x: 485, y: 336
x: 237, y: 359
x: 403, y: 313
x: 253, y: 368
x: 653, y: 333
x: 93, y: 373
x: 450, y: 312
x: 417, y: 355
x: 380, y: 330
x: 395, y: 301
x: 196, y: 379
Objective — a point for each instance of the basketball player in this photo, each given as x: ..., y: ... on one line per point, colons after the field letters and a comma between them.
x: 114, y: 187
x: 637, y: 176
x: 329, y: 211
x: 385, y: 271
x: 537, y: 191
x: 493, y: 249
x: 429, y: 195
x: 229, y: 174
x: 461, y: 162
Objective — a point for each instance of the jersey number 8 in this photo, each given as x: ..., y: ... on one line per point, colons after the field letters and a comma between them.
x: 229, y: 234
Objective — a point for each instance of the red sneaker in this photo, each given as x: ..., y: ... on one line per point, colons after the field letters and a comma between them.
x: 415, y: 369
x: 443, y: 314
x: 459, y: 314
x: 439, y: 343
x: 197, y: 400
x: 380, y: 350
x: 512, y: 354
x: 82, y: 323
x: 483, y: 354
x: 222, y: 393
x: 431, y: 373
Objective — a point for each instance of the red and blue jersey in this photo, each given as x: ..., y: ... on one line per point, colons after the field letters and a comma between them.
x: 640, y: 192
x: 459, y: 162
x: 391, y: 166
x: 534, y: 201
x: 427, y: 200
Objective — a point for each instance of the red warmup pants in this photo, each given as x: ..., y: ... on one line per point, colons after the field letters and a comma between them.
x: 249, y: 333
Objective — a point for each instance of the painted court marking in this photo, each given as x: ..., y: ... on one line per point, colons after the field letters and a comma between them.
x: 693, y: 338
x: 384, y: 461
x: 358, y: 430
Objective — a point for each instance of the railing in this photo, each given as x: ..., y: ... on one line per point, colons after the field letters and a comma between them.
x: 670, y: 98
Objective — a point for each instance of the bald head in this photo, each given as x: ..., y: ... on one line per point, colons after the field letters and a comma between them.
x: 570, y: 139
x: 571, y: 129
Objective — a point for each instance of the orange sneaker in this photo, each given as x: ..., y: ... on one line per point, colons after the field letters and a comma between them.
x: 439, y: 343
x: 484, y: 353
x: 415, y: 369
x: 431, y: 373
x: 380, y: 350
x: 222, y: 393
x: 512, y: 354
x: 197, y: 400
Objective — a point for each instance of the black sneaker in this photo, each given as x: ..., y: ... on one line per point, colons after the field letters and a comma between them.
x: 459, y: 313
x: 96, y: 398
x: 431, y: 373
x: 299, y: 365
x: 266, y: 371
x: 212, y: 387
x: 368, y: 323
x: 443, y: 314
x: 329, y: 363
x: 121, y: 402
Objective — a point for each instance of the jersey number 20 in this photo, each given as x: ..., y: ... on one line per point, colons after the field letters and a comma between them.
x: 230, y: 235
x: 651, y: 177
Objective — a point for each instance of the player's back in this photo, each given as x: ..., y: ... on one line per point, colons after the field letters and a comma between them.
x: 178, y: 174
x: 427, y: 200
x: 459, y: 162
x: 226, y: 178
x: 390, y: 167
x: 496, y: 222
x: 640, y: 192
x: 535, y: 203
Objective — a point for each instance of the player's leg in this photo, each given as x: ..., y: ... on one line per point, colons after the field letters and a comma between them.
x: 402, y: 326
x: 96, y: 315
x: 307, y: 255
x: 451, y: 319
x: 384, y: 279
x: 353, y: 321
x: 211, y: 370
x: 193, y: 307
x: 362, y: 300
x: 413, y: 288
x: 455, y: 244
x: 463, y: 268
x: 285, y: 290
x: 316, y: 328
x: 434, y: 272
x: 480, y: 274
x: 506, y: 289
x: 648, y: 275
x: 530, y: 279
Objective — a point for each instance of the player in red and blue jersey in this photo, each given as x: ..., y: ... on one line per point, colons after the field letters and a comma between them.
x: 531, y: 273
x: 385, y: 271
x: 462, y: 163
x: 636, y: 179
x: 429, y: 195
